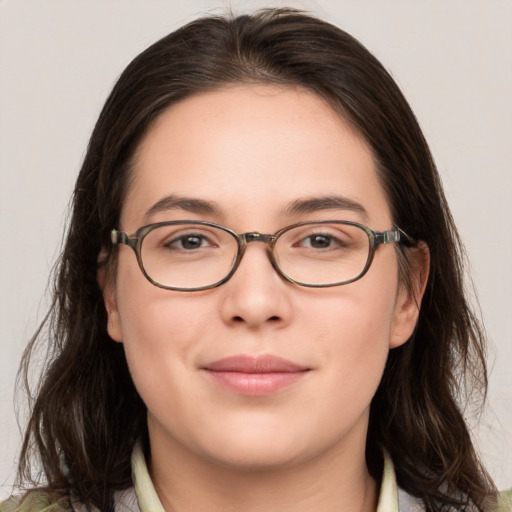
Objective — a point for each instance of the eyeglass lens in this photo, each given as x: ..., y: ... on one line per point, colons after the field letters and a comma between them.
x: 196, y: 255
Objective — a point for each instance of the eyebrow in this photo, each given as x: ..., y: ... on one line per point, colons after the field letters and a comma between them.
x: 315, y: 204
x: 188, y: 204
x: 297, y: 207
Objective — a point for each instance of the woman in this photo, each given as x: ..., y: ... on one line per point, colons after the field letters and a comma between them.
x: 192, y: 369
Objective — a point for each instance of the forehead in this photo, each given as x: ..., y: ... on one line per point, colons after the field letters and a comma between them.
x: 252, y: 150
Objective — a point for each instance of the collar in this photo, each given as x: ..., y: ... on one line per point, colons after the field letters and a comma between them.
x: 144, y: 488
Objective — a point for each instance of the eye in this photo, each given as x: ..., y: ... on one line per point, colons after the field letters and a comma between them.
x: 318, y: 241
x: 321, y: 241
x: 189, y: 242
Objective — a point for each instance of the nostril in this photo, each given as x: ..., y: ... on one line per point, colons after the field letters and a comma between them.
x: 239, y: 319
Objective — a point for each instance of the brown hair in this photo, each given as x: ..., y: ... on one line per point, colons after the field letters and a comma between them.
x: 87, y: 414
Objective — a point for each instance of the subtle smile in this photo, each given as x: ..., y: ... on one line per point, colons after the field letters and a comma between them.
x: 255, y: 376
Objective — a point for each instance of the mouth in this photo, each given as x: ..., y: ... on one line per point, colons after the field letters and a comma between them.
x: 254, y: 376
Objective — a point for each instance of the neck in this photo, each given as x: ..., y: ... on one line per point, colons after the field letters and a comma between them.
x: 330, y: 482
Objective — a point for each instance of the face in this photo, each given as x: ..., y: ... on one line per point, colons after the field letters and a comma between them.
x: 257, y: 372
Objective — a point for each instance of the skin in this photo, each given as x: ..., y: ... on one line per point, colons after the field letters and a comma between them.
x: 254, y: 150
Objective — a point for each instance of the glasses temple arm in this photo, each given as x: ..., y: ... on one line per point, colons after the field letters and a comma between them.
x: 120, y: 237
x: 395, y: 235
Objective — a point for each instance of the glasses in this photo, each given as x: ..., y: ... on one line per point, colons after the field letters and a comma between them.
x: 188, y: 255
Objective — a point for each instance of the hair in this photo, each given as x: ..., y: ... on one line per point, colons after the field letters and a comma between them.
x: 86, y: 414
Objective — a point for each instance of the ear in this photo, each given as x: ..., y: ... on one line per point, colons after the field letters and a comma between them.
x: 107, y: 286
x: 408, y: 301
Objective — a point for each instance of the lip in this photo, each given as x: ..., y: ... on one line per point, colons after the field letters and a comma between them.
x: 255, y: 376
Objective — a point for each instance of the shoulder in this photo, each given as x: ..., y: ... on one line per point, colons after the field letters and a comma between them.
x: 505, y: 501
x: 410, y: 504
x: 124, y: 501
x: 33, y: 502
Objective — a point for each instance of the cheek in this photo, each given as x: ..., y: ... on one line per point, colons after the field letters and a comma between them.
x: 352, y: 333
x: 359, y: 314
x: 160, y: 332
x: 161, y: 350
x: 352, y: 327
x: 151, y: 317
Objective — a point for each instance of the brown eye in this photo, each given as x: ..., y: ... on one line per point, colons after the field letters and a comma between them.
x: 319, y: 241
x: 189, y: 242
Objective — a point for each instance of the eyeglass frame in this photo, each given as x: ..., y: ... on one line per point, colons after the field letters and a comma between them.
x: 375, y: 238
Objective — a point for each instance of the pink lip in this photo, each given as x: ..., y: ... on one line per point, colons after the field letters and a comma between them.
x: 255, y: 376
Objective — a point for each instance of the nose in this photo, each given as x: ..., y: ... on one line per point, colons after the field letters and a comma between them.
x: 256, y: 295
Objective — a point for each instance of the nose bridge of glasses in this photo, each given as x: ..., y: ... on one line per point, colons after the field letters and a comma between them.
x: 254, y: 236
x: 258, y: 237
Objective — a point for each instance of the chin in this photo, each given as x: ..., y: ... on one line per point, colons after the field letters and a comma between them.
x: 262, y: 449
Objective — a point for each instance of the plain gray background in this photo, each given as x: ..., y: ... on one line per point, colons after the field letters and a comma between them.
x: 59, y: 59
